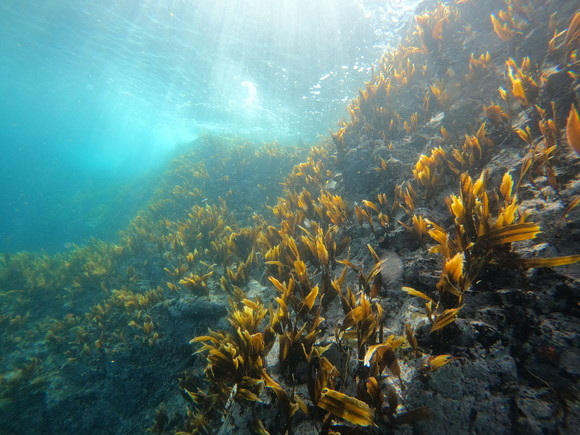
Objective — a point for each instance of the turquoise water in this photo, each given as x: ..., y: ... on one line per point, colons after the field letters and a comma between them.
x: 96, y: 95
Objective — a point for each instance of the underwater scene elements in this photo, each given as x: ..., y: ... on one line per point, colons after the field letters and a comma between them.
x: 414, y: 270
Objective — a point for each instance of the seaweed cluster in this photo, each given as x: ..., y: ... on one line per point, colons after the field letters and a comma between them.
x: 454, y: 179
x: 88, y: 306
x: 411, y: 96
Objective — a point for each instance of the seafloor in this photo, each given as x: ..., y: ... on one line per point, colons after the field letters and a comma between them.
x: 416, y: 272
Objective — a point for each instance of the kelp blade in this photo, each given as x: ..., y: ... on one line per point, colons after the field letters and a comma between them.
x: 346, y: 407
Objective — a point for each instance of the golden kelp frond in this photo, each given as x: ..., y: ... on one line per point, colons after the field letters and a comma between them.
x: 365, y: 280
x: 300, y: 269
x: 322, y: 373
x: 338, y: 137
x: 336, y: 208
x: 191, y: 256
x: 445, y: 318
x: 295, y: 345
x: 478, y: 65
x: 249, y: 317
x: 440, y: 94
x: 373, y: 253
x: 305, y: 200
x: 346, y: 407
x: 523, y: 87
x: 357, y: 315
x: 525, y: 134
x: 538, y: 160
x: 197, y: 283
x: 502, y: 30
x: 238, y: 274
x: 573, y: 123
x: 430, y: 28
x: 311, y: 174
x: 133, y: 301
x: 311, y: 298
x: 412, y: 123
x: 438, y: 361
x: 572, y: 34
x: 375, y: 393
x: 503, y: 94
x: 382, y: 165
x: 383, y: 211
x: 405, y: 73
x: 381, y: 356
x: 234, y: 359
x: 509, y: 234
x: 495, y: 113
x: 529, y: 263
x: 452, y: 277
x: 419, y: 227
x: 571, y: 206
x: 321, y: 245
x: 364, y: 320
x: 445, y: 245
x: 285, y: 288
x: 506, y: 186
x: 258, y: 427
x: 475, y: 149
x: 288, y: 407
x: 245, y: 394
x: 405, y: 194
x: 199, y: 339
x: 362, y: 215
x: 428, y: 170
x: 370, y: 205
x: 510, y: 21
x: 550, y: 132
x: 412, y: 340
x: 507, y: 214
x: 417, y: 293
x: 321, y: 251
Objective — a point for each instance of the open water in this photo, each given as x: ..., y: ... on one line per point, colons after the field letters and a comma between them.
x: 95, y: 95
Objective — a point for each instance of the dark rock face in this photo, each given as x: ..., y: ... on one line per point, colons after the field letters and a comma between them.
x: 469, y: 395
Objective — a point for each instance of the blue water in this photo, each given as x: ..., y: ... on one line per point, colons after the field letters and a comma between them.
x: 96, y: 95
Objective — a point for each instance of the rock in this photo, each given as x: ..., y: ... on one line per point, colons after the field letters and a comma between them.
x: 468, y: 395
